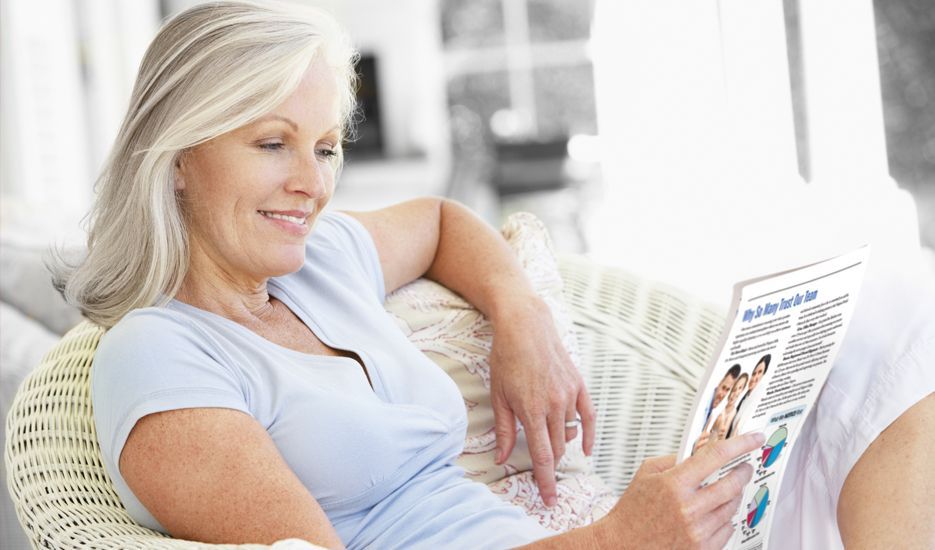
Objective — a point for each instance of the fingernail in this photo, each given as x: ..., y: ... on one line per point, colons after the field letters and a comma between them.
x: 550, y: 501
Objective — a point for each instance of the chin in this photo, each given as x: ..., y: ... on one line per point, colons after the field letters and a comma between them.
x: 286, y: 263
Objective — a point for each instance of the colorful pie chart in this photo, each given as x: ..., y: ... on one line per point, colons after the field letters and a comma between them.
x: 757, y: 507
x: 774, y: 446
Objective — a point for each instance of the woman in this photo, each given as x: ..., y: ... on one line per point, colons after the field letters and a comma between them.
x: 251, y: 388
x: 759, y: 371
x: 723, y: 422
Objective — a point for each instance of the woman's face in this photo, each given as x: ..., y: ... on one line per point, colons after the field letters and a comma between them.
x: 739, y: 386
x: 726, y: 384
x: 251, y: 196
x: 758, y: 372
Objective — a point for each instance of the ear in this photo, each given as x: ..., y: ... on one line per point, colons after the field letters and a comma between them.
x: 178, y: 173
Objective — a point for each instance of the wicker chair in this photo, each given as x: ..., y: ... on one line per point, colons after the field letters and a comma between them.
x: 643, y: 347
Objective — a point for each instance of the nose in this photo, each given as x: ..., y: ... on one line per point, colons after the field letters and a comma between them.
x: 311, y: 177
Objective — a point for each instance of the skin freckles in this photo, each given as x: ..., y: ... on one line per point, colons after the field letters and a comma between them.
x: 886, y: 501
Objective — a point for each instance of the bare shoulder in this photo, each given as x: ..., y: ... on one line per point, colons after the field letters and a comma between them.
x: 886, y: 501
x: 215, y: 475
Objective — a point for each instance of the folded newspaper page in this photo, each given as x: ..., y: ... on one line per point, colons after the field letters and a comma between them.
x: 775, y: 354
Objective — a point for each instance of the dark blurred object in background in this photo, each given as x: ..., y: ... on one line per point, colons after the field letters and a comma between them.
x: 368, y: 142
x: 530, y: 166
x: 520, y: 85
x: 906, y: 49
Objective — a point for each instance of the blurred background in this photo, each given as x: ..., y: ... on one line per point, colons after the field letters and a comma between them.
x: 664, y: 136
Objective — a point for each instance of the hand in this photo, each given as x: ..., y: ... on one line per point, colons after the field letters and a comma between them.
x: 533, y: 379
x: 665, y: 507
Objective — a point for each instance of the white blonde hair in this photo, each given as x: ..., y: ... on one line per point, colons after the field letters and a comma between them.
x: 211, y: 69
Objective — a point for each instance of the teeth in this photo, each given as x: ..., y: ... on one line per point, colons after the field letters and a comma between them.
x: 293, y: 219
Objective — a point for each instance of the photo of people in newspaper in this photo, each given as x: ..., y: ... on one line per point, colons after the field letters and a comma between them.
x: 727, y: 401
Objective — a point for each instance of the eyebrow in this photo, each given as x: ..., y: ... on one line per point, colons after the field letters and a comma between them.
x: 288, y: 121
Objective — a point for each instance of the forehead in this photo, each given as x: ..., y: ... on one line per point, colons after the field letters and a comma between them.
x: 316, y: 100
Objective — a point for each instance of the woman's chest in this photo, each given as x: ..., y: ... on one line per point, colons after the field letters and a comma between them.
x: 346, y: 439
x: 347, y: 443
x: 288, y: 331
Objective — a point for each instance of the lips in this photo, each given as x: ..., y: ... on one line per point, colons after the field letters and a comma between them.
x: 293, y: 216
x: 293, y: 222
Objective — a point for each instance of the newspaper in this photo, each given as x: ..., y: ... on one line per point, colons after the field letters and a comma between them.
x: 775, y: 356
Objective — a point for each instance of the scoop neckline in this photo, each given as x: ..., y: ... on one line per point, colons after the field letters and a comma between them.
x: 369, y: 373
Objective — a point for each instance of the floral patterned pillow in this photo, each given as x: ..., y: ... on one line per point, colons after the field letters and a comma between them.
x: 458, y: 337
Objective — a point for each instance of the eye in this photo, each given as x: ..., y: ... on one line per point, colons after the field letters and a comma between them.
x: 327, y: 153
x: 271, y: 145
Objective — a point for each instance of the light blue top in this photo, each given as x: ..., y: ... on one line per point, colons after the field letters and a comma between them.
x: 379, y: 461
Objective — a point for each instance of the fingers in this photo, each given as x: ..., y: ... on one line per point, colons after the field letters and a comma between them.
x: 557, y: 433
x: 715, y: 455
x: 721, y: 537
x: 723, y: 514
x: 725, y: 489
x: 588, y: 419
x: 505, y: 429
x: 543, y: 464
x: 570, y: 416
x: 717, y: 509
x: 715, y: 528
x: 556, y: 426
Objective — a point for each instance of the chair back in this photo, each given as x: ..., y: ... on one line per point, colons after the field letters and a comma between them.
x: 56, y: 477
x: 644, y: 347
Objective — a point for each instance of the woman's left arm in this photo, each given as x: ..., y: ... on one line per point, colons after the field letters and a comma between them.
x: 886, y: 501
x: 532, y: 378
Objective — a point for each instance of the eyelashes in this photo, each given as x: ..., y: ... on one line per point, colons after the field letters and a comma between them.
x: 327, y: 153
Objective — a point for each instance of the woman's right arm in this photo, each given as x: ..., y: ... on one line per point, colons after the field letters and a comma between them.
x: 214, y: 475
x: 666, y: 507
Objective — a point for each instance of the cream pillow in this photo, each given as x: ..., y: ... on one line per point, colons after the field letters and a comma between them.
x: 457, y: 337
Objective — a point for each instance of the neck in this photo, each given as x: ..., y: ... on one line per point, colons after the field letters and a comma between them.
x: 238, y: 297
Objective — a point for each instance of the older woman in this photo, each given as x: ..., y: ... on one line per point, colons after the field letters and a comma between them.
x: 251, y: 387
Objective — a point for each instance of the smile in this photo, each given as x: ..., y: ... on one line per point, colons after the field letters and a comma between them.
x: 292, y: 219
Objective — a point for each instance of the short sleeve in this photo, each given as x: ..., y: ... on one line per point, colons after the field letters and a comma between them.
x: 154, y: 361
x: 882, y: 369
x: 348, y: 236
